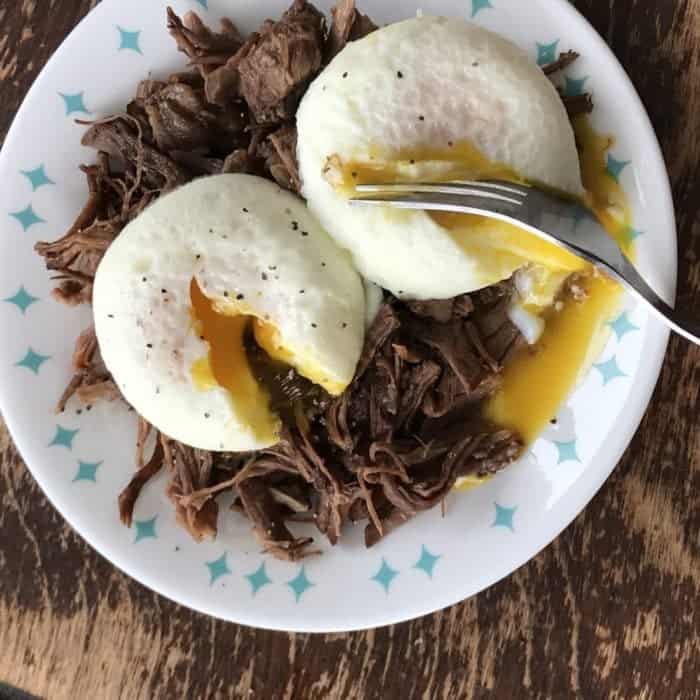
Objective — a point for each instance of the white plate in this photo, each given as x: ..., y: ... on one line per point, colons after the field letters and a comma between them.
x: 83, y: 461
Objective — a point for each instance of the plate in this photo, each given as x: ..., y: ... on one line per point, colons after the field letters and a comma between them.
x: 83, y: 460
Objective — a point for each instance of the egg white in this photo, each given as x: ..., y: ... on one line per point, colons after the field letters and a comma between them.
x: 254, y: 249
x: 419, y: 83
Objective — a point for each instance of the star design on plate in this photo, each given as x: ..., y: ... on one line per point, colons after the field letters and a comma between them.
x: 258, y: 578
x: 385, y: 575
x: 27, y: 217
x: 87, y: 471
x: 622, y: 325
x: 37, y: 177
x: 33, y: 361
x: 478, y: 5
x: 615, y: 167
x: 427, y: 561
x: 566, y: 451
x: 547, y: 53
x: 631, y: 234
x: 218, y: 568
x: 204, y: 3
x: 146, y: 529
x: 64, y: 437
x: 129, y: 40
x: 74, y: 103
x: 22, y: 300
x: 609, y: 370
x: 300, y: 583
x: 574, y: 86
x: 504, y: 517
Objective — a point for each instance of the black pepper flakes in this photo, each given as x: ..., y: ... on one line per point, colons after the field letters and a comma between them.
x: 412, y: 161
x: 245, y: 210
x: 225, y: 294
x: 198, y: 256
x: 314, y: 325
x: 149, y: 345
x: 272, y: 267
x: 345, y: 75
x: 240, y: 296
x: 421, y: 117
x: 301, y: 291
x: 207, y: 415
x: 450, y: 144
x: 144, y: 279
x: 163, y: 291
x: 295, y: 225
x: 264, y: 276
x: 354, y: 175
x: 344, y: 325
x: 304, y: 233
x: 323, y: 264
x: 399, y: 74
x: 110, y: 315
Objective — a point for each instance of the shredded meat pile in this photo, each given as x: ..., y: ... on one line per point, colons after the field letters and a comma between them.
x: 408, y: 426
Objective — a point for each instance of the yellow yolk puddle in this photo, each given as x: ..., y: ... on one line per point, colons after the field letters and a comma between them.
x: 537, y: 380
x: 226, y: 366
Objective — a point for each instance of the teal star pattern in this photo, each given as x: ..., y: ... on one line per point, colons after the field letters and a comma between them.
x: 622, y: 325
x: 22, y: 300
x: 478, y: 5
x: 547, y: 53
x: 64, y: 437
x: 427, y: 561
x: 74, y: 103
x: 609, y: 370
x: 566, y: 451
x: 37, y: 177
x: 218, y: 568
x: 574, y: 86
x: 615, y: 167
x: 33, y: 361
x: 146, y: 529
x: 27, y: 217
x: 258, y: 578
x: 300, y: 584
x: 128, y: 40
x: 632, y: 234
x: 385, y: 575
x: 504, y: 517
x: 87, y: 471
x: 204, y: 4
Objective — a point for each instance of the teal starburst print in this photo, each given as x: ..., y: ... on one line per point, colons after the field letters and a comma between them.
x: 300, y: 584
x: 75, y: 103
x: 64, y: 437
x: 478, y: 5
x: 574, y: 86
x: 631, y: 234
x: 87, y: 471
x: 547, y: 53
x: 33, y: 361
x: 504, y: 517
x: 204, y: 4
x: 566, y: 451
x: 385, y: 575
x: 258, y: 578
x: 609, y: 370
x: 427, y: 561
x: 27, y: 217
x: 615, y: 167
x: 129, y: 40
x: 622, y: 325
x: 145, y: 529
x: 218, y: 568
x: 22, y: 300
x: 37, y: 177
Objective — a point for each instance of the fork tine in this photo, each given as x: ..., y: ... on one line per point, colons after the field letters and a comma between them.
x: 439, y: 201
x: 459, y: 189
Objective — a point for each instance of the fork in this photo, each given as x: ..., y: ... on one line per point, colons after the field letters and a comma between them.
x: 550, y: 216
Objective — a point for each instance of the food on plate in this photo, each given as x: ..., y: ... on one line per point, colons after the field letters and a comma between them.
x: 258, y: 360
x: 224, y: 261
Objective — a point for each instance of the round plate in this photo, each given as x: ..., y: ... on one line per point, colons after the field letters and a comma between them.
x: 82, y: 460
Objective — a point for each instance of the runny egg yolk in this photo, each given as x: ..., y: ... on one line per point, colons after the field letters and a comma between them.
x: 537, y: 380
x: 226, y: 365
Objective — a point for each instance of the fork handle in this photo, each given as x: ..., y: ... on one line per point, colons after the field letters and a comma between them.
x: 681, y: 323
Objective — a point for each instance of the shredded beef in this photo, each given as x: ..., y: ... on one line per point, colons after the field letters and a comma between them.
x: 409, y: 425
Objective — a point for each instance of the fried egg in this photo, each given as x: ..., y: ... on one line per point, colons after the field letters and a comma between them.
x: 435, y: 99
x: 201, y: 270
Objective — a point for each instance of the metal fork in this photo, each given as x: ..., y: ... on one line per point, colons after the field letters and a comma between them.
x: 561, y: 221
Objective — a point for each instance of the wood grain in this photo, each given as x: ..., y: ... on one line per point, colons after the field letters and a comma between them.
x: 607, y: 611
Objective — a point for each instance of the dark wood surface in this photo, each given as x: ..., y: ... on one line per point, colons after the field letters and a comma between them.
x: 608, y: 610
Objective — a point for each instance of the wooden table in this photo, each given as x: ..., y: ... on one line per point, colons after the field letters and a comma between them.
x: 607, y: 610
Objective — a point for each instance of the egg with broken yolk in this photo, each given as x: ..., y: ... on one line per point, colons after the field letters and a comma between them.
x: 207, y: 270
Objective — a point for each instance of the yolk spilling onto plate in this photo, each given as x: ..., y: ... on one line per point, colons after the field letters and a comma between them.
x: 538, y: 379
x: 226, y: 365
